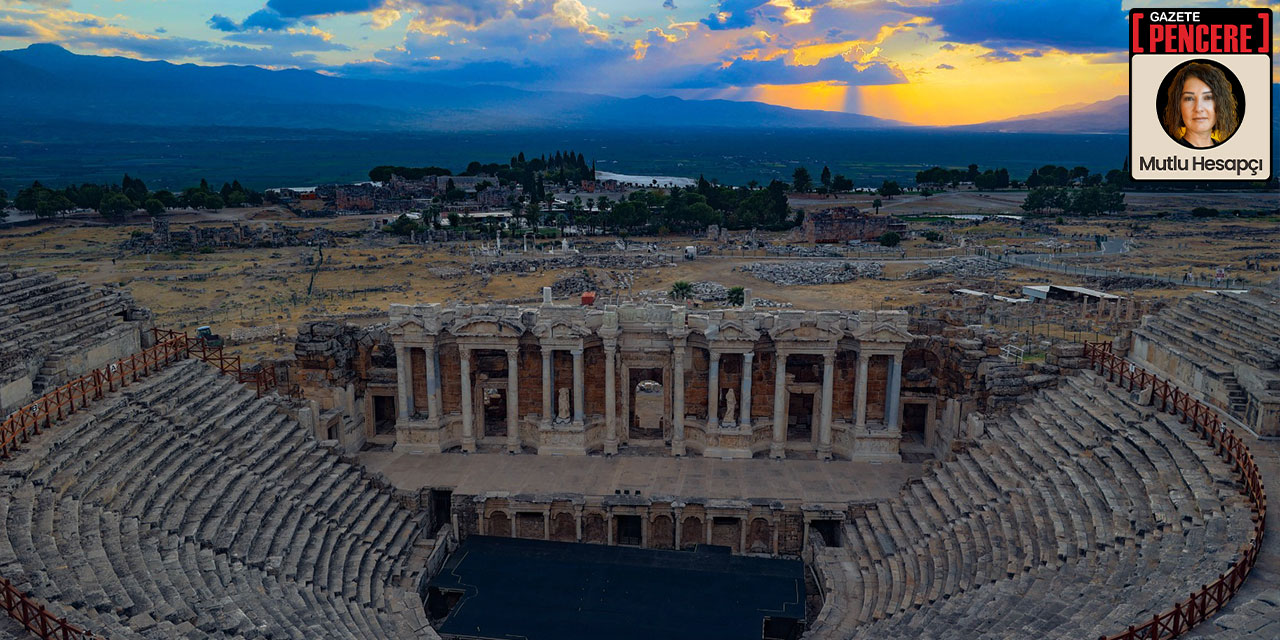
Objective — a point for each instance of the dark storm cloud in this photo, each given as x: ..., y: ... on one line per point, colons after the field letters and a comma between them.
x: 1067, y: 25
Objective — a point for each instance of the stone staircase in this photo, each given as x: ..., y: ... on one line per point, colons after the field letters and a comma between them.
x: 187, y: 507
x: 1078, y: 515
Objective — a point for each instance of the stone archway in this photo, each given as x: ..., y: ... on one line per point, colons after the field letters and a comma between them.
x: 564, y: 527
x: 662, y: 533
x: 498, y: 524
x: 692, y: 532
x: 760, y: 536
x: 593, y: 529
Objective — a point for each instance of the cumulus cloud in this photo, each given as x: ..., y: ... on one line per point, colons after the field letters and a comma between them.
x: 945, y: 67
x: 669, y: 4
x: 1001, y: 55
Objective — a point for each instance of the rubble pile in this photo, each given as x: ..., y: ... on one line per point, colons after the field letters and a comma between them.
x: 445, y: 273
x: 1124, y: 283
x: 807, y: 273
x: 801, y: 251
x: 573, y: 261
x: 710, y: 291
x: 574, y: 284
x: 959, y: 266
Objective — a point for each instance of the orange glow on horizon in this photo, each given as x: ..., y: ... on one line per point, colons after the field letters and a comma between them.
x: 817, y: 96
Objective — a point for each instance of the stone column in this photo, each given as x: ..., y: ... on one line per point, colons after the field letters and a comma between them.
x: 513, y: 401
x: 547, y: 410
x: 744, y: 403
x: 894, y: 390
x: 677, y: 401
x: 610, y: 402
x: 713, y: 391
x: 579, y: 411
x: 404, y: 389
x: 824, y: 424
x: 433, y: 386
x: 679, y: 518
x: 778, y: 448
x: 468, y: 429
x: 860, y: 391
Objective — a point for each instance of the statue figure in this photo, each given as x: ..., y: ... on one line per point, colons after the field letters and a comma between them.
x: 562, y: 405
x: 730, y: 407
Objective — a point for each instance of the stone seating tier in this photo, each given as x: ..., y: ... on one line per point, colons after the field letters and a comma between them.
x: 187, y: 507
x: 1076, y: 516
x: 48, y: 317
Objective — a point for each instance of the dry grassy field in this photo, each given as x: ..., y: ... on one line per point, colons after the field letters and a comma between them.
x: 360, y: 277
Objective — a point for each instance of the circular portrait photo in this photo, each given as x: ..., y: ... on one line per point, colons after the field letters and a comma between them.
x: 1200, y: 104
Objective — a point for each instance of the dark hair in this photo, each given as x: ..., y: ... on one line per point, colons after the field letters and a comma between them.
x: 1224, y: 101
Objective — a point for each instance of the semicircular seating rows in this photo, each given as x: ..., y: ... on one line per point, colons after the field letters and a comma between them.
x: 186, y: 507
x: 1076, y: 516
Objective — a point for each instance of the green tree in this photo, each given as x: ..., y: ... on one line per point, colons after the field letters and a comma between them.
x: 890, y: 239
x: 4, y: 201
x: 841, y: 184
x: 801, y: 181
x: 737, y: 296
x: 115, y: 206
x: 166, y: 198
x: 876, y: 203
x: 681, y: 290
x: 213, y: 202
x: 153, y: 206
x: 889, y: 189
x: 825, y: 179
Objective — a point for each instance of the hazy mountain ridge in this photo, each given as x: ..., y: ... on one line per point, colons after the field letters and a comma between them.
x: 48, y: 82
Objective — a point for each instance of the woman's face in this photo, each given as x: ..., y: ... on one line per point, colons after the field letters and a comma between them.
x: 1197, y: 106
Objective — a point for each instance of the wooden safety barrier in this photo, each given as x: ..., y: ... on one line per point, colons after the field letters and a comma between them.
x: 1206, y: 422
x: 29, y: 420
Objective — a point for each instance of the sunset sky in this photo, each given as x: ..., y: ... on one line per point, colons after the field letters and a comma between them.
x: 937, y: 62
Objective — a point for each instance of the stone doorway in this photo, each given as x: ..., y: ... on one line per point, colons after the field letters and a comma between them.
x: 915, y: 421
x: 493, y: 408
x: 800, y: 416
x: 648, y: 405
x: 628, y: 530
x: 384, y: 415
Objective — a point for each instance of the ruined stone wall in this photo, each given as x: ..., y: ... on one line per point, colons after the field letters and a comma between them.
x: 529, y: 372
x: 842, y: 399
x: 762, y: 384
x: 450, y: 380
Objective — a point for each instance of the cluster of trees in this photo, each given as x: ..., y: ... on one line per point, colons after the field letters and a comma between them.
x: 1085, y: 201
x: 691, y: 209
x: 988, y: 180
x: 802, y: 182
x: 116, y: 201
x: 1055, y: 176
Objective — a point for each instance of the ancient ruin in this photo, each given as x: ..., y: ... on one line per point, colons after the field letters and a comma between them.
x: 932, y: 485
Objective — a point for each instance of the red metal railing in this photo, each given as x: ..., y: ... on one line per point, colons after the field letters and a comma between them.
x: 1212, y: 597
x: 65, y: 400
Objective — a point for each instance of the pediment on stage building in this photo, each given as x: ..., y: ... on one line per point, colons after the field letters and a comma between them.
x: 806, y: 333
x: 414, y: 327
x: 731, y: 331
x: 885, y: 332
x: 560, y: 330
x: 486, y: 327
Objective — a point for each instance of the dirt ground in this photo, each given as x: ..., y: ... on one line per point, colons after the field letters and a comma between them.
x: 361, y: 277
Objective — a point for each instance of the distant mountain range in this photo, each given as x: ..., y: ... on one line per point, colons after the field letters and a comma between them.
x: 1107, y: 116
x: 45, y: 82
